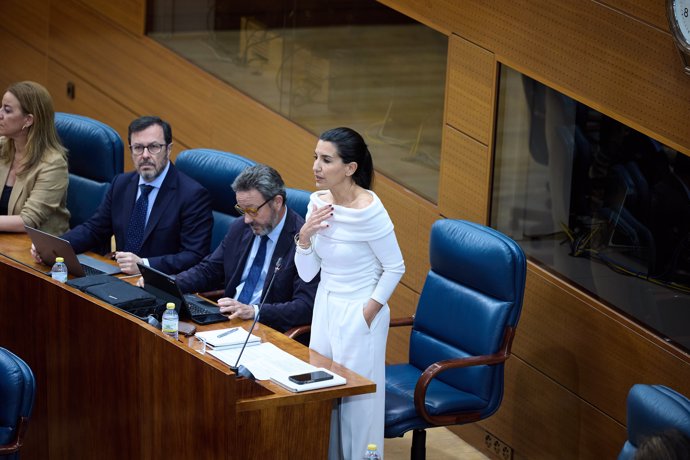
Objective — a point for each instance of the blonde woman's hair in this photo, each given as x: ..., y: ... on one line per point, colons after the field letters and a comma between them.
x: 42, y: 137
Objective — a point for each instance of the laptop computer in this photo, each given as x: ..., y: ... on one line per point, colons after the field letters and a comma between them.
x: 188, y: 306
x: 50, y: 246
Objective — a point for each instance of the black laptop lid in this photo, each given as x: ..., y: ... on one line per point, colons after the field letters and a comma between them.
x: 164, y: 287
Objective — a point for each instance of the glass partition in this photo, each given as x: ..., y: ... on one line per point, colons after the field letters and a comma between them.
x: 596, y: 202
x: 322, y: 64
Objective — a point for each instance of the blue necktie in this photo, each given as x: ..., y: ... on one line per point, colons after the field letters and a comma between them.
x: 137, y: 221
x: 254, y: 273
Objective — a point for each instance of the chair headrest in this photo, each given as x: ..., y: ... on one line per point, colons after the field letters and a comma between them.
x: 498, y: 263
x: 95, y: 150
x: 298, y: 200
x: 215, y: 170
x: 653, y: 409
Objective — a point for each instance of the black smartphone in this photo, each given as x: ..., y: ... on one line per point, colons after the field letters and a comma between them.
x: 310, y: 377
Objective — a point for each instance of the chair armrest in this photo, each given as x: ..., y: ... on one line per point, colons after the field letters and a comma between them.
x: 298, y: 331
x: 18, y: 440
x: 406, y: 321
x: 438, y: 367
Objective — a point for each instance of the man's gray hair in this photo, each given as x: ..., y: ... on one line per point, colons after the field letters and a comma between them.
x: 262, y: 178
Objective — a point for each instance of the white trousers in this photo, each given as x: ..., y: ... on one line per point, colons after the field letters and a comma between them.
x: 340, y: 332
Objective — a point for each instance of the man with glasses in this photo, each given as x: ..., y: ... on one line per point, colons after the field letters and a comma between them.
x: 245, y: 261
x: 159, y: 216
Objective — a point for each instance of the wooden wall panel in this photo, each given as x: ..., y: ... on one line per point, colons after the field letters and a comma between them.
x: 425, y: 11
x: 129, y: 14
x: 470, y: 89
x: 28, y: 19
x: 137, y: 70
x: 89, y: 102
x: 464, y: 184
x: 412, y: 218
x: 598, y: 55
x: 540, y: 419
x: 590, y: 350
x: 403, y: 304
x: 653, y: 13
x: 28, y: 63
x: 242, y: 126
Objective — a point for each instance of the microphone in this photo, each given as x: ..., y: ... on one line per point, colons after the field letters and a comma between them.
x: 242, y: 371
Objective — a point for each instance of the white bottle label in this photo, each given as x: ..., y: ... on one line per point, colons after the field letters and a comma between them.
x: 59, y: 276
x: 169, y: 325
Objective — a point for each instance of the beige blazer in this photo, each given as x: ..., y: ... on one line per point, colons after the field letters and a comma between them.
x: 40, y: 196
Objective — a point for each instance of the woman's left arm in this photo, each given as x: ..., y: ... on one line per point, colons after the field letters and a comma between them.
x: 387, y: 251
x: 47, y: 193
x: 11, y: 224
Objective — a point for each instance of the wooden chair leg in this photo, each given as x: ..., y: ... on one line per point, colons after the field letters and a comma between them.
x: 418, y: 449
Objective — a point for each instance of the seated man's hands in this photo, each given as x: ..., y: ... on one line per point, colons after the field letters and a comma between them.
x: 128, y: 262
x: 234, y: 309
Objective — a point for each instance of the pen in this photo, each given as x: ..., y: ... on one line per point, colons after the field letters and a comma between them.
x: 227, y: 332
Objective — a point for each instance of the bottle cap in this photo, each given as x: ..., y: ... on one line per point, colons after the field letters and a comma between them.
x: 371, y: 447
x: 59, y: 259
x: 170, y: 306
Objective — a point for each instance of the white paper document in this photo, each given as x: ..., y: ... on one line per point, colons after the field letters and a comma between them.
x: 264, y: 360
x: 233, y: 337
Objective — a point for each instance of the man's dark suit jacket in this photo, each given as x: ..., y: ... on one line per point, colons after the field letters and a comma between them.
x: 290, y: 301
x: 178, y: 232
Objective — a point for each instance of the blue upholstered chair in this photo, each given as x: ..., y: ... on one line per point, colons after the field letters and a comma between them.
x: 298, y: 200
x: 653, y: 409
x: 461, y: 334
x: 17, y: 390
x: 215, y: 170
x: 96, y: 155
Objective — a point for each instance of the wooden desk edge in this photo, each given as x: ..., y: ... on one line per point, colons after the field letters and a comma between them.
x: 15, y: 251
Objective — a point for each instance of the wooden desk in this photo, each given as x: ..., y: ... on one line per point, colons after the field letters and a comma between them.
x: 111, y: 386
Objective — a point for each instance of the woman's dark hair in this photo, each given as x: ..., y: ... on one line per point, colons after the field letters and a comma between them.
x: 352, y: 148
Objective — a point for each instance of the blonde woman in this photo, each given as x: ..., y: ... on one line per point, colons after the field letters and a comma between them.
x: 33, y: 162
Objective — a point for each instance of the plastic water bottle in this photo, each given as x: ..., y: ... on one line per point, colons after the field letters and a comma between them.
x: 372, y: 453
x: 171, y: 320
x: 59, y: 270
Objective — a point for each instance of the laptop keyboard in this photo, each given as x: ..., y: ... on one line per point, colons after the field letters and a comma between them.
x: 89, y: 270
x: 196, y: 309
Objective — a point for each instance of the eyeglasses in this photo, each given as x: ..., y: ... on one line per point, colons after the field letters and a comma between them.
x: 154, y: 148
x: 251, y: 211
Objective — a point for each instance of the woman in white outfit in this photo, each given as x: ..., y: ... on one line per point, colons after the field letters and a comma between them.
x: 349, y: 237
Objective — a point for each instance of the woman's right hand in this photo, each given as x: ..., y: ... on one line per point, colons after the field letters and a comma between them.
x: 316, y: 221
x: 35, y: 255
